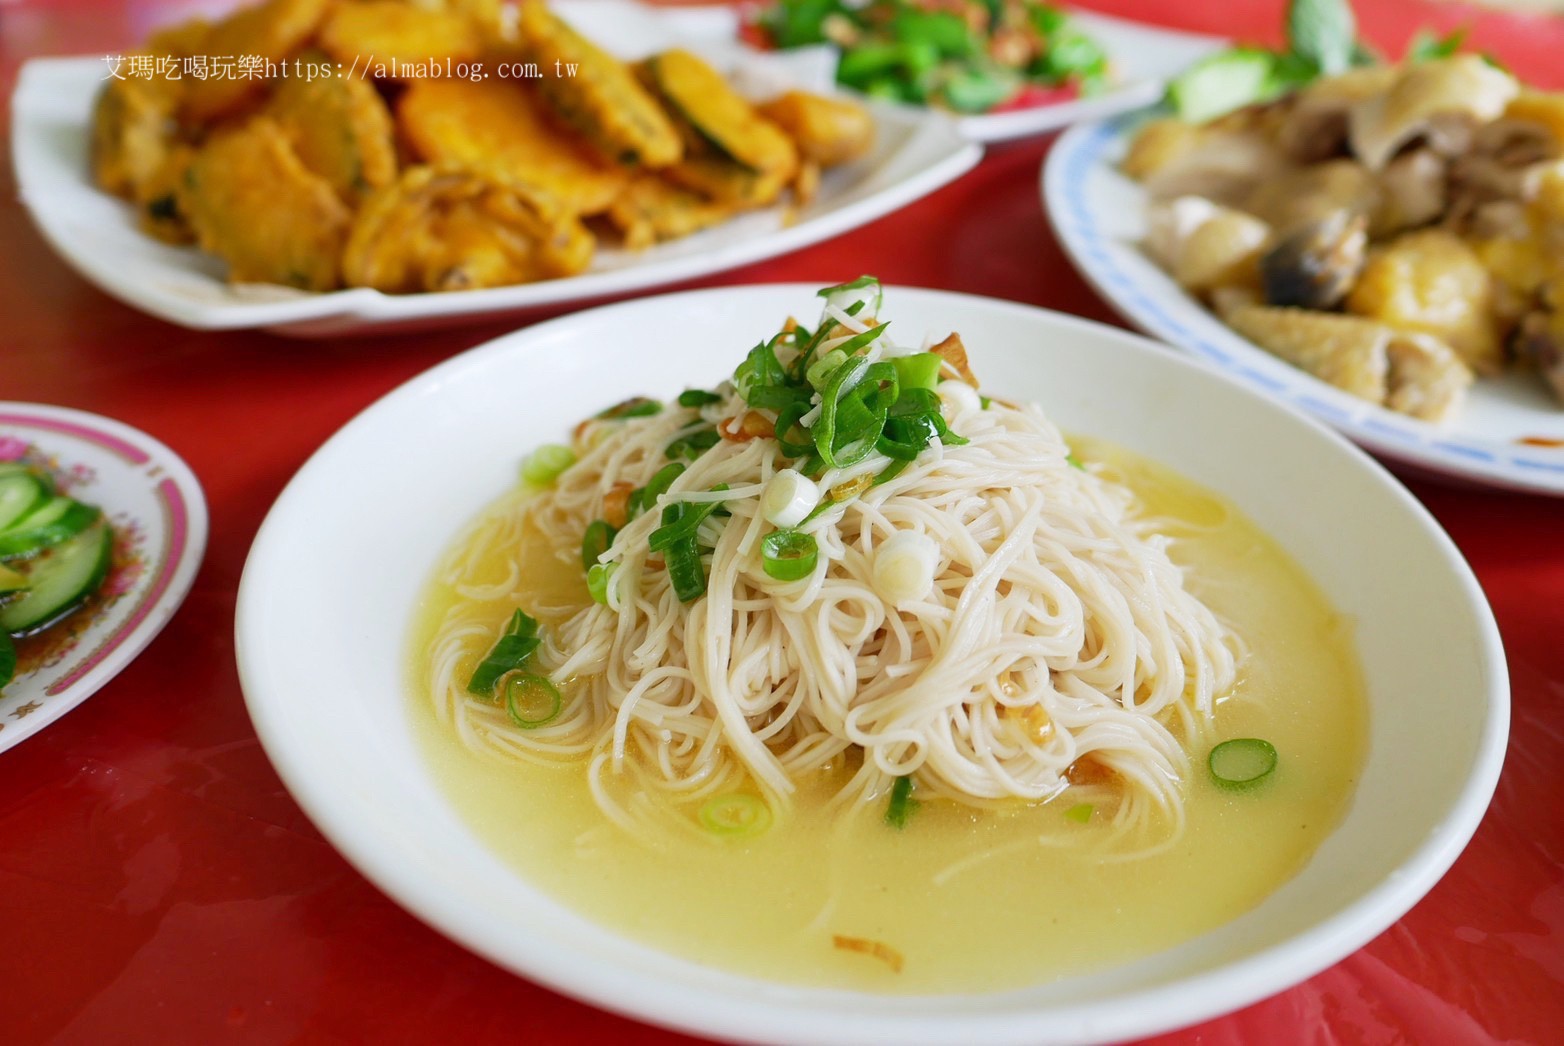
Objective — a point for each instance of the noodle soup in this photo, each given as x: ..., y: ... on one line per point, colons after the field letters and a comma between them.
x: 965, y: 896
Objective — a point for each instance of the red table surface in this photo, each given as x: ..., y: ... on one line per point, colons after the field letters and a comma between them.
x: 157, y: 884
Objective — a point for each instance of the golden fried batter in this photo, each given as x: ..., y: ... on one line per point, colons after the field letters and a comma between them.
x: 498, y: 124
x: 825, y: 130
x: 159, y: 210
x: 595, y: 93
x: 386, y: 31
x: 652, y: 210
x: 719, y: 178
x: 133, y: 129
x: 339, y: 126
x: 273, y: 32
x: 253, y: 203
x: 440, y: 229
x: 714, y: 117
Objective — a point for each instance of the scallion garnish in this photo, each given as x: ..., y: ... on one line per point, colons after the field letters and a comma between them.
x: 1075, y: 462
x: 530, y: 700
x: 919, y: 371
x: 820, y: 370
x: 643, y: 498
x: 1080, y: 813
x: 599, y: 535
x: 902, y: 803
x: 735, y: 816
x: 509, y: 652
x: 788, y: 555
x: 598, y: 577
x: 1242, y: 762
x: 698, y: 398
x: 545, y: 464
x: 694, y: 444
x: 638, y: 407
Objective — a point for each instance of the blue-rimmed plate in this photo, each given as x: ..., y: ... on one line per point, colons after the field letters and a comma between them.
x: 1511, y: 434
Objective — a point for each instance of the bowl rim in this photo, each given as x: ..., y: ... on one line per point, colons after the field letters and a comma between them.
x: 765, y: 1012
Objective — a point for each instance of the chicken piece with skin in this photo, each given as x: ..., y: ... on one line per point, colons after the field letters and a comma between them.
x: 1442, y: 102
x: 1205, y: 246
x: 1413, y: 374
x: 1432, y: 282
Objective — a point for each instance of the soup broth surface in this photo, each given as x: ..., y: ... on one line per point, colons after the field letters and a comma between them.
x: 968, y: 898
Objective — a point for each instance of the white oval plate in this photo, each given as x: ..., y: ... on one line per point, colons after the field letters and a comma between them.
x: 915, y: 152
x: 1099, y: 216
x: 327, y: 599
x: 159, y: 516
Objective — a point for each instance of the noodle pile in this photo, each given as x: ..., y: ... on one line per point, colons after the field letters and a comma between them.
x: 1057, y: 647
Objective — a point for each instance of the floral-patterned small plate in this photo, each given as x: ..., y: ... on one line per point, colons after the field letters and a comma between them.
x: 155, y: 505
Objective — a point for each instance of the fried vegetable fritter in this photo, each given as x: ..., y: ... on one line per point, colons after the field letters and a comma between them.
x: 339, y: 126
x: 593, y: 92
x: 499, y: 124
x: 271, y: 33
x: 713, y: 116
x: 719, y: 178
x: 652, y: 210
x: 253, y: 203
x: 160, y: 209
x: 380, y: 32
x: 133, y: 129
x: 440, y: 230
x: 826, y: 131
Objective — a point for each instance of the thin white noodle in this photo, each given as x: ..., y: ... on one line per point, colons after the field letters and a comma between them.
x: 1057, y: 629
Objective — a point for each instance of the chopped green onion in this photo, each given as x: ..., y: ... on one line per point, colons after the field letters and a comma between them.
x: 685, y: 570
x: 531, y: 701
x: 7, y: 657
x: 890, y: 472
x: 598, y: 577
x: 1080, y: 813
x: 693, y: 445
x: 514, y: 646
x: 759, y: 368
x: 919, y: 371
x: 788, y: 555
x: 1075, y: 462
x: 645, y: 497
x: 902, y: 803
x: 985, y: 402
x: 735, y: 816
x: 599, y: 535
x: 681, y: 519
x: 698, y: 398
x: 855, y: 285
x: 820, y: 370
x: 638, y: 407
x: 546, y: 463
x: 1242, y: 762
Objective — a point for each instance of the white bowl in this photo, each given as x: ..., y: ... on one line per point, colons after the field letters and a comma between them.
x: 326, y: 601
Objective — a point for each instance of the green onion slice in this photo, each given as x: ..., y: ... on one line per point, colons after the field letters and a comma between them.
x: 598, y: 577
x: 698, y: 398
x: 902, y: 804
x: 546, y: 463
x: 919, y: 371
x: 599, y: 535
x: 788, y: 555
x: 820, y: 370
x: 645, y: 497
x: 638, y: 407
x: 509, y: 652
x: 735, y: 816
x: 1080, y: 813
x: 1242, y: 762
x: 858, y: 284
x: 685, y: 570
x: 530, y: 700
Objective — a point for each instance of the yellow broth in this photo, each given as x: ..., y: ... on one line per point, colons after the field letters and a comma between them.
x: 969, y: 899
